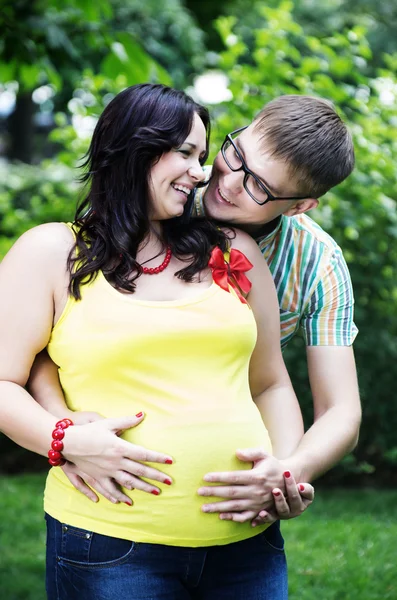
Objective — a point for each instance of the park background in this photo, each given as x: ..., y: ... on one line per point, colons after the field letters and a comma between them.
x: 62, y: 61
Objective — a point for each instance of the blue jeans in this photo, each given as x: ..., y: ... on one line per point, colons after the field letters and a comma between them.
x: 89, y: 566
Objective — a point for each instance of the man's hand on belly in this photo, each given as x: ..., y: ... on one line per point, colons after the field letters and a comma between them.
x: 263, y: 494
x: 246, y: 492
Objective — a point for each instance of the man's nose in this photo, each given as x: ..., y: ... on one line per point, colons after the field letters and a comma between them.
x: 233, y: 181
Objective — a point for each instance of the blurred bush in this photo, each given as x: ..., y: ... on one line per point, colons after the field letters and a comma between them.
x: 33, y: 195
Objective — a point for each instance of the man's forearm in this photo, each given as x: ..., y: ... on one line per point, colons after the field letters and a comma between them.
x: 337, y: 412
x: 333, y: 435
x: 45, y: 387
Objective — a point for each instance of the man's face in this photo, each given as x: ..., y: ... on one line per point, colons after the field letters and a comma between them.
x: 227, y: 200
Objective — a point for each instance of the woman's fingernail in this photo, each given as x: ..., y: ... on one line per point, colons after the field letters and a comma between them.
x: 168, y: 461
x: 155, y: 492
x: 287, y: 474
x: 276, y: 493
x: 167, y: 481
x: 302, y: 487
x: 139, y: 415
x: 129, y: 503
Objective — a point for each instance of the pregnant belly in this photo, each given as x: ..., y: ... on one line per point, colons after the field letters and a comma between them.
x: 198, y: 445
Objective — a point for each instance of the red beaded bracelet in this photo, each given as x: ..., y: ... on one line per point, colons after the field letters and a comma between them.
x: 55, y: 457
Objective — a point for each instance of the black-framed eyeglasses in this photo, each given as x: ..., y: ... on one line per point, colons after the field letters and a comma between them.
x: 253, y: 185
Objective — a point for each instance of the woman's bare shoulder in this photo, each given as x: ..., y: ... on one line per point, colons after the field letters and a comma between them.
x: 45, y: 245
x: 245, y: 243
x: 55, y: 236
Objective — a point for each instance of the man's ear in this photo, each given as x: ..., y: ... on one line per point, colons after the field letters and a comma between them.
x: 301, y: 206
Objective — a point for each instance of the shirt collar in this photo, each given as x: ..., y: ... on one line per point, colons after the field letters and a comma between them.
x: 268, y: 231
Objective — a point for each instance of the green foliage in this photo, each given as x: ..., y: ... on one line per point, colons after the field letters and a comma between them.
x: 30, y: 196
x: 323, y: 19
x: 379, y: 18
x: 44, y: 42
x: 279, y: 58
x: 342, y: 548
x: 167, y: 31
x: 49, y: 41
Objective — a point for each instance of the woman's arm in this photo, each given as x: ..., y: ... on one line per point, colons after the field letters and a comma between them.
x: 28, y: 281
x: 272, y: 390
x: 33, y: 291
x: 270, y: 384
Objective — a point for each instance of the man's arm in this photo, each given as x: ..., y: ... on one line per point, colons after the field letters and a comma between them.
x: 334, y: 433
x: 44, y: 386
x: 327, y: 322
x: 337, y: 412
x: 329, y: 330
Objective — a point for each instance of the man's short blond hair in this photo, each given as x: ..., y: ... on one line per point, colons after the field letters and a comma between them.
x: 308, y: 134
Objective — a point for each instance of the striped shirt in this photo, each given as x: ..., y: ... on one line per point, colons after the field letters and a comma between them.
x: 312, y: 281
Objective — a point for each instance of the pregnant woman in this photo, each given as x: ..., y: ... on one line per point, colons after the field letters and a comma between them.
x: 146, y: 312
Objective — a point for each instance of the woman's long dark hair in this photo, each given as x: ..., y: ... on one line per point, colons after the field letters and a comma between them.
x: 136, y: 128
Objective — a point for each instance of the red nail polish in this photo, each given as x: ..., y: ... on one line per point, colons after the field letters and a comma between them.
x: 139, y: 415
x: 287, y: 474
x: 155, y: 492
x: 128, y: 503
x: 167, y: 481
x: 276, y: 493
x: 168, y: 461
x: 302, y: 487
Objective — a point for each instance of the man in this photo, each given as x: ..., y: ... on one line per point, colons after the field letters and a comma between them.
x: 263, y: 180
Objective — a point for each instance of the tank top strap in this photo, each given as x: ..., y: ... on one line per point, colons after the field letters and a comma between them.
x: 226, y: 255
x: 72, y: 227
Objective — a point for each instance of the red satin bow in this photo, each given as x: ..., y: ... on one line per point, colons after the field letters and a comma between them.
x: 231, y: 273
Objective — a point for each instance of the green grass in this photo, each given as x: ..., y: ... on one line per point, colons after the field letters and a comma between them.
x: 343, y: 548
x: 22, y: 537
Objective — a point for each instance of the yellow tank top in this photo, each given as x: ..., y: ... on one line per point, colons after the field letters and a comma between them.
x: 185, y: 364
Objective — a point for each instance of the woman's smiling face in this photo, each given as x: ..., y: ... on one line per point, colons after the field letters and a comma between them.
x: 176, y: 173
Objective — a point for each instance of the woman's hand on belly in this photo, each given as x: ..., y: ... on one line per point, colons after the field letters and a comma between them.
x: 104, y: 461
x: 245, y: 493
x: 91, y: 487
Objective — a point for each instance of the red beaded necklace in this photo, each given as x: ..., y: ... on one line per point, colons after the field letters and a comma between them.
x: 164, y: 265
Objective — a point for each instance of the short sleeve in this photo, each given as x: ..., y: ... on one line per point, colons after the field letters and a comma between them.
x: 327, y: 319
